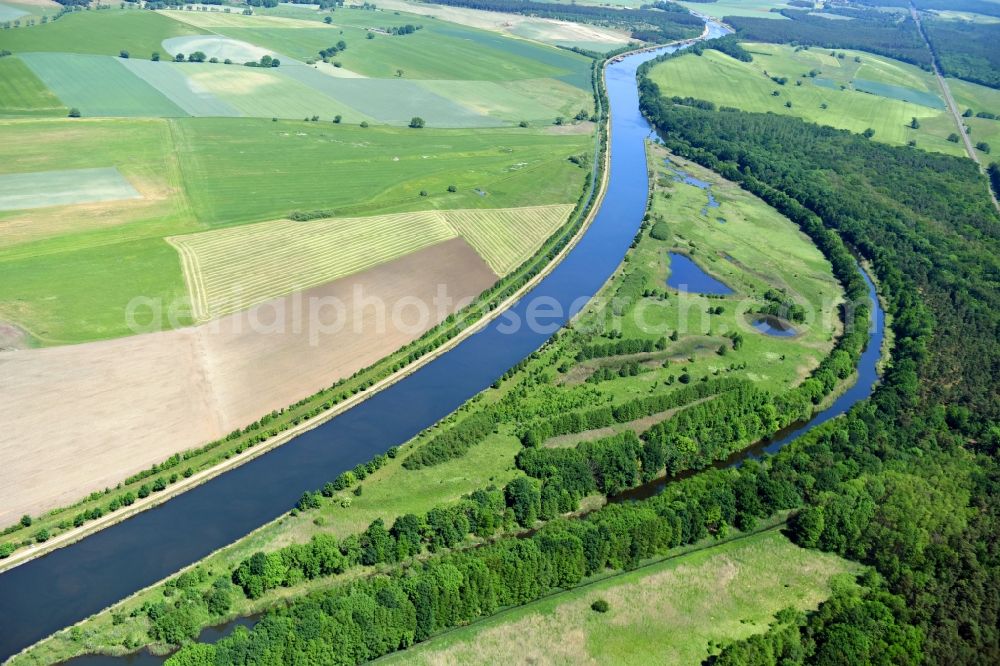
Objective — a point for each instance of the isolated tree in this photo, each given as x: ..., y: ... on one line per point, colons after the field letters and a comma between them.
x: 74, y: 112
x: 123, y: 54
x: 523, y: 123
x: 953, y: 137
x: 788, y: 104
x: 179, y: 57
x: 823, y: 105
x: 265, y: 61
x: 914, y: 123
x: 26, y: 520
x: 328, y: 20
x: 582, y: 114
x: 370, y: 35
x: 452, y: 188
x: 155, y: 57
x: 341, y: 45
x: 213, y: 60
x: 399, y: 73
x: 336, y: 119
x: 967, y: 113
x: 197, y: 56
x: 416, y: 122
x: 364, y: 123
x: 868, y: 133
x: 983, y: 146
x: 559, y: 120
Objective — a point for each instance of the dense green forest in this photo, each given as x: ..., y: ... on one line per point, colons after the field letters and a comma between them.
x: 966, y: 50
x: 918, y: 497
x: 890, y: 35
x: 667, y: 22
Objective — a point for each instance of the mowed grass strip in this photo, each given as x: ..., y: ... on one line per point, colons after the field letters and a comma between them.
x: 231, y: 269
x: 505, y: 238
x: 100, y: 86
x: 669, y: 613
x: 728, y: 82
x: 23, y: 94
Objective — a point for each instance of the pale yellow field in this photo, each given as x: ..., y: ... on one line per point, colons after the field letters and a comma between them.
x: 228, y: 270
x: 507, y: 237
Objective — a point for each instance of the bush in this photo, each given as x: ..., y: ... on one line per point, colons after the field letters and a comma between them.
x: 452, y: 188
x: 600, y: 605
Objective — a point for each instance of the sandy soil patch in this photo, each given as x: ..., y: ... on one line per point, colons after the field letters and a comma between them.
x: 40, y: 223
x: 337, y: 72
x: 583, y: 127
x: 215, y: 46
x: 82, y: 418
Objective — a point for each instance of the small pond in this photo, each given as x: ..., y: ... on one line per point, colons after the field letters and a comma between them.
x: 687, y: 276
x: 686, y: 178
x: 774, y: 326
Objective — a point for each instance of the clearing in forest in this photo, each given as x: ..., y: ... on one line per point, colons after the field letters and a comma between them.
x: 668, y: 613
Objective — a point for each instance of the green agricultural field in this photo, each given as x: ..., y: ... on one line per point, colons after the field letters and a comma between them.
x: 538, y: 101
x: 979, y: 98
x: 837, y: 83
x: 9, y: 12
x: 722, y: 8
x: 438, y: 51
x: 69, y: 271
x: 23, y: 94
x: 104, y: 33
x: 99, y: 85
x: 673, y: 612
x: 175, y: 81
x: 369, y: 170
x: 392, y: 101
x: 267, y: 93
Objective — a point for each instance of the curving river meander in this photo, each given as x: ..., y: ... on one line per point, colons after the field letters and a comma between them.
x: 69, y: 584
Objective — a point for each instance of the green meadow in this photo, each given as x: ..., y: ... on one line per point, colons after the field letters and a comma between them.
x: 23, y: 94
x: 363, y: 171
x: 979, y: 98
x: 674, y: 612
x: 100, y: 85
x: 837, y: 83
x: 723, y: 8
x: 70, y: 270
x: 98, y: 32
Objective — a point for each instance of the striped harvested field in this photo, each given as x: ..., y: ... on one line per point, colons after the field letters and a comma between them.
x: 506, y: 237
x: 231, y: 269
